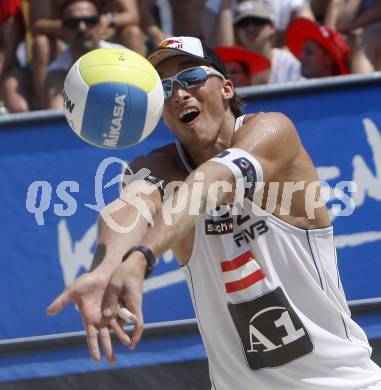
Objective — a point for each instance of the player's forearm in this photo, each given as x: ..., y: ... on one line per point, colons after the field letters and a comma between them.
x: 121, y: 225
x: 112, y: 245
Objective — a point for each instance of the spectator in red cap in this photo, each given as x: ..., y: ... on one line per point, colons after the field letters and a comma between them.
x: 251, y: 27
x: 323, y: 52
x: 242, y: 65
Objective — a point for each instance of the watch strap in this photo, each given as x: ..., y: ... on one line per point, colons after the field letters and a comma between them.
x: 149, y: 256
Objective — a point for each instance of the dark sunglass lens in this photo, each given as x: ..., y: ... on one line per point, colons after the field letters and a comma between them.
x: 243, y: 23
x: 248, y: 21
x: 187, y: 79
x: 192, y: 77
x: 167, y: 86
x: 260, y: 21
x: 73, y: 23
x: 91, y: 21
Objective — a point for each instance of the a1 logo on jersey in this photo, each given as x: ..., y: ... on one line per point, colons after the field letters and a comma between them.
x: 271, y: 333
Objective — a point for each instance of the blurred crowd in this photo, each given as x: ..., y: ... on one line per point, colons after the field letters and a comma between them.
x: 260, y: 41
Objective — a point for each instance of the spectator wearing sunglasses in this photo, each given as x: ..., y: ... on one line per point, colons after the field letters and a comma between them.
x: 81, y: 30
x: 250, y: 26
x: 256, y: 287
x: 283, y: 12
x: 255, y: 31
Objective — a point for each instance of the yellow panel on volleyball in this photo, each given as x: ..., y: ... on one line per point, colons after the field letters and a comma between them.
x: 110, y: 65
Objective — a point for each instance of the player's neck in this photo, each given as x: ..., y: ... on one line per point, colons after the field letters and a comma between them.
x: 198, y: 155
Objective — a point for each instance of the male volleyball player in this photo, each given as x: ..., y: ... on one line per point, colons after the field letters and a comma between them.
x: 264, y: 284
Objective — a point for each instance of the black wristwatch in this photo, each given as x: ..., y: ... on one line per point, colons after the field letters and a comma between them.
x: 150, y: 258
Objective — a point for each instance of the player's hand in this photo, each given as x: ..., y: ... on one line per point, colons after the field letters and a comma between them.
x: 87, y: 292
x: 126, y: 287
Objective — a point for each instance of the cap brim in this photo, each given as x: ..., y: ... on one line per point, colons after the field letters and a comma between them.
x: 255, y: 61
x: 252, y: 14
x: 161, y: 54
x: 301, y: 30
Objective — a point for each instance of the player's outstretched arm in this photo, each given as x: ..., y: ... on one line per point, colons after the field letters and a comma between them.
x: 270, y: 138
x: 121, y: 224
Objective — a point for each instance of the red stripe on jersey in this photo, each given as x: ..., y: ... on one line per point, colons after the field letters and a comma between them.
x: 239, y: 261
x: 245, y: 282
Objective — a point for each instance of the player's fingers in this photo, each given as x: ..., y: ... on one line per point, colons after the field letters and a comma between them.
x: 92, y: 342
x: 57, y: 305
x: 118, y: 330
x: 104, y: 335
x: 137, y: 332
x: 110, y: 299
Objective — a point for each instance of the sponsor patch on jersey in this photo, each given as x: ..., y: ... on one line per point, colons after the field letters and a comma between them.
x: 271, y: 333
x: 249, y: 233
x: 218, y: 227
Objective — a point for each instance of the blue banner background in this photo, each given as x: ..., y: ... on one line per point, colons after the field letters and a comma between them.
x: 35, y: 258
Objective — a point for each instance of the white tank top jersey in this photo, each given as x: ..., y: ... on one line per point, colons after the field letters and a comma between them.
x: 270, y: 305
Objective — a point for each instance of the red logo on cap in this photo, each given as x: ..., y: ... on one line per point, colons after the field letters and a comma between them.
x: 174, y: 43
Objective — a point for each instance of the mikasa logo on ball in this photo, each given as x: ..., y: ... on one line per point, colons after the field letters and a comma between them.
x: 113, y: 98
x: 112, y: 137
x: 68, y: 104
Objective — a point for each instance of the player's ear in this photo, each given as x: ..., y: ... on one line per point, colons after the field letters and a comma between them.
x: 228, y: 89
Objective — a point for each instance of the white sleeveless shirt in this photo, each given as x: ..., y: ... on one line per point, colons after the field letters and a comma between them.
x: 270, y: 305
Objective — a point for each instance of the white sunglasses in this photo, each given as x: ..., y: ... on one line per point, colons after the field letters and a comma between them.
x: 189, y: 78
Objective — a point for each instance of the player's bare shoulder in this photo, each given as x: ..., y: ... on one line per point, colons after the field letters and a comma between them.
x: 272, y: 138
x: 271, y: 132
x: 163, y: 163
x: 268, y: 127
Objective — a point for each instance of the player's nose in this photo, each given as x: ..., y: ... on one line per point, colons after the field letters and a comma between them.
x: 179, y: 92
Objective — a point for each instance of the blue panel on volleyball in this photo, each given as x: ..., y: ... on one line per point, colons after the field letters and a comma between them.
x: 113, y: 125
